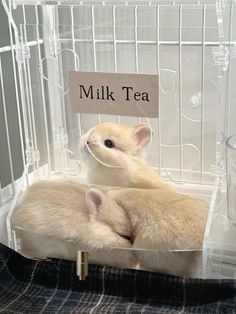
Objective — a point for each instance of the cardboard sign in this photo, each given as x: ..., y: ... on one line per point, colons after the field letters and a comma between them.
x: 114, y: 93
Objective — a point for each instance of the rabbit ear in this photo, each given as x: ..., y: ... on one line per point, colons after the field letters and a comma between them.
x: 142, y: 133
x: 94, y: 199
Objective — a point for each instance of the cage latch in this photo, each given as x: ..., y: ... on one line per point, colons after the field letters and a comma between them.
x: 32, y: 155
x: 22, y: 52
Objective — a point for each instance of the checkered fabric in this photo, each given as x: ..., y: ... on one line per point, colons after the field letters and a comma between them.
x: 52, y: 287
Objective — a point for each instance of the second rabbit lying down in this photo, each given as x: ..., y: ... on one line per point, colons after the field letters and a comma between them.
x: 160, y: 221
x: 54, y: 220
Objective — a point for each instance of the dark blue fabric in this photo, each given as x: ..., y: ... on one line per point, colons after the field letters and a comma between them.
x: 28, y: 286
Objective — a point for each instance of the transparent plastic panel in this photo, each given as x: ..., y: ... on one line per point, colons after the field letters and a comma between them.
x: 219, y: 242
x: 68, y: 216
x: 230, y: 91
x: 187, y: 120
x: 231, y: 177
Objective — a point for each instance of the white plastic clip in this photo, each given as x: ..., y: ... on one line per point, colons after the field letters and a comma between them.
x: 54, y: 45
x: 221, y: 56
x: 32, y: 155
x: 22, y: 52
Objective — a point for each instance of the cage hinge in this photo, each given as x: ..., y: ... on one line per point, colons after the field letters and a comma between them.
x: 32, y: 155
x: 22, y: 52
x: 220, y: 56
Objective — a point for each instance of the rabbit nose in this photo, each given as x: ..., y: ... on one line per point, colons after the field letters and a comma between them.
x: 87, y: 142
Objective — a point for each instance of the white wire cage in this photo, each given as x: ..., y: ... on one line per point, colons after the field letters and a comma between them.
x: 190, y: 44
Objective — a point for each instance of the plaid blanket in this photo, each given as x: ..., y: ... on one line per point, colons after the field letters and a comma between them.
x: 52, y: 287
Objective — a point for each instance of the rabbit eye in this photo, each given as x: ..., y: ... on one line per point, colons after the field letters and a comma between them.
x: 109, y: 144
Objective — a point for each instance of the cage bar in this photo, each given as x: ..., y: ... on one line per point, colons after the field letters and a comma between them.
x: 229, y: 74
x: 25, y: 101
x: 43, y: 94
x: 159, y: 98
x: 94, y: 49
x: 7, y: 129
x: 203, y: 90
x: 180, y: 95
x: 16, y: 85
x: 115, y: 44
x: 31, y: 104
x: 75, y: 61
x: 136, y: 37
x: 136, y: 44
x: 144, y: 42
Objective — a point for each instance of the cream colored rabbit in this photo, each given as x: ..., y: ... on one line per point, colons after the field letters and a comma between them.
x: 53, y: 220
x: 159, y: 221
x: 115, y: 155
